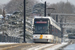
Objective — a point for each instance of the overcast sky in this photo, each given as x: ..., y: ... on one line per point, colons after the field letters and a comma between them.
x: 48, y: 1
x: 55, y: 1
x: 4, y: 1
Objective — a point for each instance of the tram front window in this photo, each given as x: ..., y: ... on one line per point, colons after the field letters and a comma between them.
x: 41, y: 27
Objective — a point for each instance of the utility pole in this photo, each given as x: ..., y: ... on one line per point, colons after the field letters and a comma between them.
x: 24, y: 21
x: 45, y: 9
x: 56, y: 18
x: 61, y: 24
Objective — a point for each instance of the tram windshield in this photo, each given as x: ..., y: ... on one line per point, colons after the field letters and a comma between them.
x: 41, y: 27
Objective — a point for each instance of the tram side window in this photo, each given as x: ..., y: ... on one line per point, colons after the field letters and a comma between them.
x: 50, y: 29
x: 53, y: 31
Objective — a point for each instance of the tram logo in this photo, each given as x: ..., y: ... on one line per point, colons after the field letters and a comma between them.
x: 41, y: 36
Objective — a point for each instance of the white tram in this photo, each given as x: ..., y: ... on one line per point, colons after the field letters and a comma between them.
x: 45, y: 29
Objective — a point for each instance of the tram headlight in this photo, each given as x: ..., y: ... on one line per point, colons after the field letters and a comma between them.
x: 35, y: 36
x: 46, y: 36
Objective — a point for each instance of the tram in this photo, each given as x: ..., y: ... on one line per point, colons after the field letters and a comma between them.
x: 46, y: 29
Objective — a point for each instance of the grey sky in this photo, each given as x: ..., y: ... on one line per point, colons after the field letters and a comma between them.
x: 4, y: 1
x: 48, y: 1
x: 55, y: 1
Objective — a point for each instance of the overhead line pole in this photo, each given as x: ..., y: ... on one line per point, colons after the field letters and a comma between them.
x: 61, y: 21
x: 45, y: 9
x: 24, y: 21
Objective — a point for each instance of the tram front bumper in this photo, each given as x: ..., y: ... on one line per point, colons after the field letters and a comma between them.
x: 42, y: 40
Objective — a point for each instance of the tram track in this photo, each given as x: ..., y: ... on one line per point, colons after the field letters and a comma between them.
x: 19, y: 46
x: 31, y: 46
x: 48, y: 47
x: 28, y: 46
x: 16, y: 47
x: 7, y: 45
x: 40, y: 46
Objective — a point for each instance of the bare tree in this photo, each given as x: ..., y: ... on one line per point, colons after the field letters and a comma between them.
x: 18, y: 5
x: 62, y: 7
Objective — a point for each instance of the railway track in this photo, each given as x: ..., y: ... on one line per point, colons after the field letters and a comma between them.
x: 15, y: 46
x: 28, y: 46
x: 19, y: 46
x: 48, y: 47
x: 38, y: 47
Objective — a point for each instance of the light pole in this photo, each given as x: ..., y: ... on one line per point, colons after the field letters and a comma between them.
x: 45, y: 9
x: 24, y: 21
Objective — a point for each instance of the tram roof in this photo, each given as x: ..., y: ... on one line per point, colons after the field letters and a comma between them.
x: 53, y: 22
x: 48, y: 17
x: 42, y: 17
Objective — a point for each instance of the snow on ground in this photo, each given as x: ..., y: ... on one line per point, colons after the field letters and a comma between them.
x: 57, y: 46
x: 47, y: 45
x: 39, y: 47
x: 7, y: 43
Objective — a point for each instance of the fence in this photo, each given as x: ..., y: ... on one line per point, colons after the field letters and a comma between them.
x: 4, y: 38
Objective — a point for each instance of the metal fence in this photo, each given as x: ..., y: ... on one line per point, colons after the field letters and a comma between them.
x: 4, y: 38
